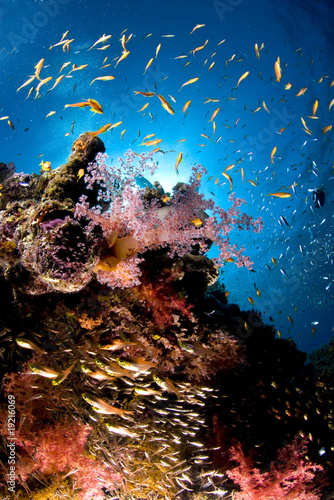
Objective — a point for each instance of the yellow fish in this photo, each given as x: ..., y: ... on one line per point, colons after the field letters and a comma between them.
x: 273, y: 154
x: 144, y: 107
x: 197, y: 222
x: 78, y: 68
x: 214, y: 114
x: 103, y: 79
x: 46, y: 166
x: 315, y: 107
x: 50, y: 114
x: 28, y: 344
x: 151, y: 143
x: 290, y: 319
x: 229, y: 179
x: 165, y: 104
x: 196, y: 28
x: 251, y: 300
x: 178, y: 161
x: 101, y: 406
x: 148, y: 64
x: 96, y: 107
x: 62, y: 376
x: 81, y: 173
x: 199, y: 48
x: 265, y: 107
x: 187, y: 104
x: 278, y: 70
x: 58, y: 80
x: 279, y: 195
x: 64, y: 66
x: 117, y: 124
x: 243, y: 77
x: 124, y: 55
x: 211, y: 66
x: 103, y: 38
x: 189, y: 82
x: 42, y: 82
x: 26, y: 83
x: 38, y: 68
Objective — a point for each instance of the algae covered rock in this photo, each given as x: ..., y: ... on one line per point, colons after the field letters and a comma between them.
x: 43, y: 247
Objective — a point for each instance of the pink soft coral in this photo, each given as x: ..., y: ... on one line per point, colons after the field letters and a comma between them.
x: 60, y: 449
x: 151, y: 226
x: 290, y: 477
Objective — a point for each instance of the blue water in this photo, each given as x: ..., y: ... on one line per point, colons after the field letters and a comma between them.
x: 299, y: 32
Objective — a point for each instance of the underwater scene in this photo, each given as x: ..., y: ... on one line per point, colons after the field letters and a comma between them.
x: 166, y: 250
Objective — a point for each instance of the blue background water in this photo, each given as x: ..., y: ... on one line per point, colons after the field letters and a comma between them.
x: 299, y: 32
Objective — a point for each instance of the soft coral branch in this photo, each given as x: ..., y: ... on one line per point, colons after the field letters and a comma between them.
x: 290, y: 477
x: 152, y: 226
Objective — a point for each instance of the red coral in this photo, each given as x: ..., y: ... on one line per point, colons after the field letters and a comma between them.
x: 61, y: 449
x: 290, y: 477
x: 164, y: 304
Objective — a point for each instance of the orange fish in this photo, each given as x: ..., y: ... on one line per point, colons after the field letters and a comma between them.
x: 214, y: 114
x: 186, y: 106
x: 77, y: 105
x: 95, y: 106
x: 251, y: 300
x: 273, y: 154
x: 101, y: 130
x: 257, y: 53
x: 165, y: 104
x: 278, y: 70
x: 288, y: 86
x: 326, y: 129
x: 301, y: 92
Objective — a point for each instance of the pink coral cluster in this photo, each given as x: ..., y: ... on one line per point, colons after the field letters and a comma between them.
x: 61, y: 449
x: 290, y: 477
x: 152, y: 226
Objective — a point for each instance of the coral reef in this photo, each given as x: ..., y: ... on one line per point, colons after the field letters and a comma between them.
x: 131, y: 375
